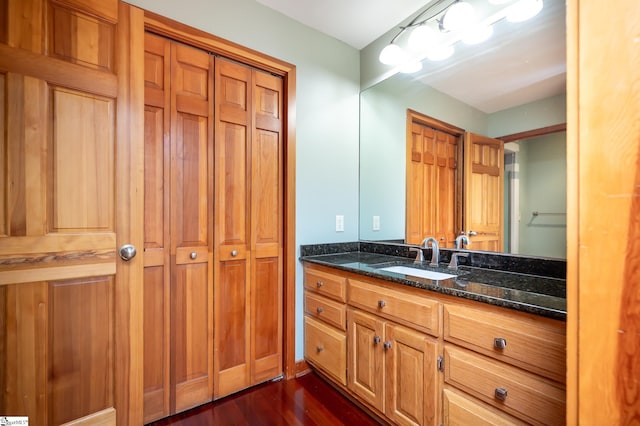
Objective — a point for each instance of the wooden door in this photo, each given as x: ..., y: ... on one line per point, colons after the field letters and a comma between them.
x: 178, y: 219
x: 249, y: 228
x: 366, y: 357
x: 483, y: 215
x: 411, y: 382
x: 432, y: 181
x: 70, y: 149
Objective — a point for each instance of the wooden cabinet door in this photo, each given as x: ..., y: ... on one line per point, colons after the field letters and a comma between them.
x: 411, y: 381
x: 178, y: 217
x: 248, y: 236
x: 71, y: 195
x: 484, y: 192
x: 365, y: 356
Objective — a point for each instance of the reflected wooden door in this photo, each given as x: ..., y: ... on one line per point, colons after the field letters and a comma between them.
x: 432, y: 180
x: 71, y: 195
x: 483, y: 215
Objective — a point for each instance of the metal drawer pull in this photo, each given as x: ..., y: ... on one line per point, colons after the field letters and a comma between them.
x: 320, y: 309
x: 234, y: 253
x: 387, y: 345
x: 193, y: 255
x: 381, y: 303
x: 321, y: 348
x: 376, y: 340
x: 499, y: 343
x: 501, y: 394
x: 319, y: 284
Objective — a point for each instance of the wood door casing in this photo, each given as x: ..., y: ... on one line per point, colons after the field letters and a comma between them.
x: 484, y: 191
x: 71, y: 197
x: 178, y: 217
x: 248, y: 245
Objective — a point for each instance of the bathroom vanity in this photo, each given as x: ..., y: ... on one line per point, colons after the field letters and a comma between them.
x: 485, y: 345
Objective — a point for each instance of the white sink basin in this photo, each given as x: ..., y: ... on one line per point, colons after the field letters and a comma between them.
x: 415, y: 272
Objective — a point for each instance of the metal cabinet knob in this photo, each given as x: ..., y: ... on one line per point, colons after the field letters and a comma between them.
x: 472, y: 233
x: 320, y: 309
x: 387, y: 345
x: 319, y: 348
x: 127, y: 252
x: 193, y: 255
x: 234, y: 253
x: 319, y: 284
x: 501, y: 394
x: 499, y: 343
x: 381, y: 303
x: 376, y: 340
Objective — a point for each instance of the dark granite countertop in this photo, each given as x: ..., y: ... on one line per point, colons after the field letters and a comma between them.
x: 536, y: 294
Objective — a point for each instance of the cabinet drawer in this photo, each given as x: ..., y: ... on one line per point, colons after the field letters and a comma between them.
x: 326, y: 349
x: 404, y: 307
x: 533, y: 344
x: 521, y: 394
x: 327, y: 310
x: 460, y: 409
x: 328, y: 285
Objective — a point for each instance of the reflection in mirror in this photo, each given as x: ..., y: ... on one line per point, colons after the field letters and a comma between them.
x: 511, y: 110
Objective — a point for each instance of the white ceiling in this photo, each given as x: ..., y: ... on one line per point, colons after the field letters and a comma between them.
x: 521, y: 63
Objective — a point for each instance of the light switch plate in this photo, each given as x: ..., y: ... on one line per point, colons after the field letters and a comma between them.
x: 376, y: 223
x: 339, y: 223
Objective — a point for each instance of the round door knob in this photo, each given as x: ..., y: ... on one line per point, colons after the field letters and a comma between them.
x: 319, y: 284
x: 320, y: 309
x: 234, y: 253
x: 193, y: 255
x: 381, y: 303
x: 376, y: 340
x: 127, y: 252
x: 499, y: 343
x: 387, y: 345
x: 320, y: 348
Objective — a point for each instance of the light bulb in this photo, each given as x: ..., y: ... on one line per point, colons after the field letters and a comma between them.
x: 459, y: 15
x: 440, y: 53
x: 477, y: 35
x: 411, y: 67
x: 392, y: 54
x: 421, y: 38
x: 523, y: 10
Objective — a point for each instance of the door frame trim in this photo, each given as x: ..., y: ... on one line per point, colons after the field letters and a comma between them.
x: 174, y: 30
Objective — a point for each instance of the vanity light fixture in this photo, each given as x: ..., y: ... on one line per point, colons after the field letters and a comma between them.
x: 434, y: 31
x: 523, y: 10
x: 457, y: 16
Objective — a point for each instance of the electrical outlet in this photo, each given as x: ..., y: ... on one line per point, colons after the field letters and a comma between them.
x: 376, y: 223
x: 339, y: 223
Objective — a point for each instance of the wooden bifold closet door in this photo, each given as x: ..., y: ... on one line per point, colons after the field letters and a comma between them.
x: 213, y: 227
x: 178, y: 294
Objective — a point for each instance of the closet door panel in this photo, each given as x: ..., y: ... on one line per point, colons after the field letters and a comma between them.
x: 191, y: 296
x: 267, y: 228
x: 232, y: 244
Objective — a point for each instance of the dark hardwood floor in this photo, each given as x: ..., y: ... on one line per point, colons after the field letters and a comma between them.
x: 307, y: 400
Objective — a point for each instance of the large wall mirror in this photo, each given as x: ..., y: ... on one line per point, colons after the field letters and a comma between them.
x: 512, y: 84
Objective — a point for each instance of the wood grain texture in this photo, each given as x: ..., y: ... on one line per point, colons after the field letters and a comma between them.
x: 433, y: 194
x: 25, y: 24
x: 604, y: 151
x: 484, y: 191
x: 365, y: 357
x: 307, y: 400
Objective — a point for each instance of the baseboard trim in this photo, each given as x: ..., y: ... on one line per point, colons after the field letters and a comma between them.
x: 301, y: 368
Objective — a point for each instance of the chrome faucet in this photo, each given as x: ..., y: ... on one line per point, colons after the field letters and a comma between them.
x: 419, y: 254
x: 453, y: 264
x: 461, y: 241
x: 435, y: 250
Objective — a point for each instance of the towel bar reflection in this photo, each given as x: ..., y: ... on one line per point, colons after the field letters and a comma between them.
x: 536, y: 213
